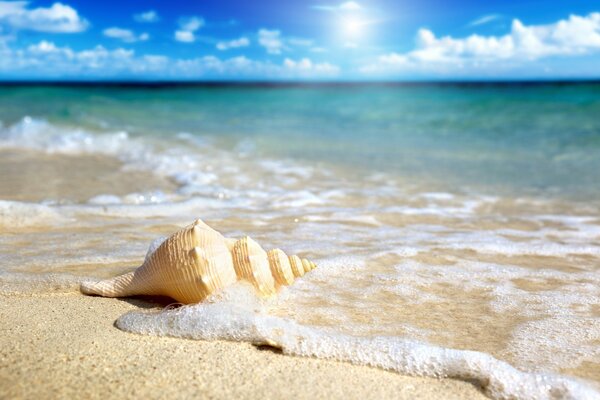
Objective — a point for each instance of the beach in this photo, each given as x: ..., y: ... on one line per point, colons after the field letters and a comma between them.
x: 66, y: 345
x: 455, y: 229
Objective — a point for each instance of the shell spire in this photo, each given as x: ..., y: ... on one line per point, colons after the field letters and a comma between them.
x: 198, y: 261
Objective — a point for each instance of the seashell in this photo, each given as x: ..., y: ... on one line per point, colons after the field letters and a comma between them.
x: 198, y: 261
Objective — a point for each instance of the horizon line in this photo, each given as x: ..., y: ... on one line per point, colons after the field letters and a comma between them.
x: 274, y: 83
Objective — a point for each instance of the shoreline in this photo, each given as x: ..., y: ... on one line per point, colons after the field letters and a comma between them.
x: 64, y: 345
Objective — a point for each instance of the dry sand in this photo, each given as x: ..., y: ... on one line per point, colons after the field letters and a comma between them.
x: 66, y: 346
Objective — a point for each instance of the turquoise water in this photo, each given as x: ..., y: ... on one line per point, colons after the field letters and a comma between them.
x: 541, y: 139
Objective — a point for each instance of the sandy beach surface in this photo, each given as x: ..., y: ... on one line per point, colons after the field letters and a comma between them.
x: 66, y: 346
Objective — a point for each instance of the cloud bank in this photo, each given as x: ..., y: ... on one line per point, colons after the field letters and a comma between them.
x: 58, y: 18
x: 50, y: 61
x: 571, y: 45
x: 270, y: 40
x: 576, y: 35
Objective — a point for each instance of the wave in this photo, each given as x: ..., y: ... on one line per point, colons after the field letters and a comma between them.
x: 237, y: 316
x: 193, y: 163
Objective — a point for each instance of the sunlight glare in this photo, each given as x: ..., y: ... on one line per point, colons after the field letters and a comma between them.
x: 353, y: 26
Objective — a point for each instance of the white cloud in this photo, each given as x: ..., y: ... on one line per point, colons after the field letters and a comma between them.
x: 58, y: 18
x: 191, y: 24
x: 45, y: 59
x: 346, y: 6
x: 147, y: 16
x: 306, y: 67
x: 233, y: 44
x: 185, y: 36
x: 245, y: 67
x: 270, y: 40
x: 101, y: 58
x: 485, y: 19
x: 576, y: 35
x: 187, y: 28
x: 275, y: 43
x: 45, y: 48
x: 295, y: 41
x: 350, y: 6
x: 125, y: 35
x: 213, y: 65
x: 49, y: 60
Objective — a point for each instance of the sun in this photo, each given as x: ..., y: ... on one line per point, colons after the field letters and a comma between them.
x: 353, y: 26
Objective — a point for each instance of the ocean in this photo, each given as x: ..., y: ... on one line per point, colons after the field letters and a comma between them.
x: 456, y: 226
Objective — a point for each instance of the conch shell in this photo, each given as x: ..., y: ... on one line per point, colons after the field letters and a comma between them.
x: 198, y: 261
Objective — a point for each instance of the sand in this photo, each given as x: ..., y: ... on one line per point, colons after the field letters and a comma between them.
x: 33, y: 177
x: 66, y: 346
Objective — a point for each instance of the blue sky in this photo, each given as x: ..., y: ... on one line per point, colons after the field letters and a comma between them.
x: 303, y: 40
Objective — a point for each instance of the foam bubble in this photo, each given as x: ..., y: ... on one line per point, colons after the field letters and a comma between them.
x: 197, y: 166
x: 297, y: 199
x: 290, y: 169
x: 438, y: 196
x: 105, y: 199
x: 14, y: 214
x: 155, y: 197
x: 38, y: 134
x: 342, y: 217
x: 232, y: 319
x: 494, y: 243
x: 559, y: 342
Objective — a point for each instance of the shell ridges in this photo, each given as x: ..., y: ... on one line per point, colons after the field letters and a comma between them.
x: 197, y: 261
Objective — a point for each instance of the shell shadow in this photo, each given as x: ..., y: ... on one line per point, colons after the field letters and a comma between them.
x: 268, y: 347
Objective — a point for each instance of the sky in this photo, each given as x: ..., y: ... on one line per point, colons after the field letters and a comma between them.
x: 299, y: 40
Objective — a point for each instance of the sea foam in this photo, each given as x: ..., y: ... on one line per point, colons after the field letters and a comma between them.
x: 197, y: 167
x: 238, y: 316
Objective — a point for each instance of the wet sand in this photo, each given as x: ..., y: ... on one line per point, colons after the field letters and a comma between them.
x: 34, y: 176
x: 65, y: 346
